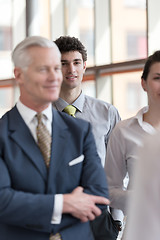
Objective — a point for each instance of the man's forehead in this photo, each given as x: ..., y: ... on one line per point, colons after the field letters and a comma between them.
x: 71, y: 55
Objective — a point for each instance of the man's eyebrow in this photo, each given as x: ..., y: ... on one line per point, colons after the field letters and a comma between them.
x: 77, y: 59
x: 74, y: 60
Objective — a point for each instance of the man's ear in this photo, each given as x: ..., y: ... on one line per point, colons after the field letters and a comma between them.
x: 18, y: 74
x: 84, y: 67
x: 143, y: 84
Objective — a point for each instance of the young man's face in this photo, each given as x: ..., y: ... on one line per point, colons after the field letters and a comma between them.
x: 73, y: 69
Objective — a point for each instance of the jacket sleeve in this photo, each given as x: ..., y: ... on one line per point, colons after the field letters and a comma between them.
x: 22, y: 208
x: 93, y: 176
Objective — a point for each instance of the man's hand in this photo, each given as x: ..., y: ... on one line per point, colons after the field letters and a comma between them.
x: 82, y: 205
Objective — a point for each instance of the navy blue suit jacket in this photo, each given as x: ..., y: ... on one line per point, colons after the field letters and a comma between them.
x: 26, y: 188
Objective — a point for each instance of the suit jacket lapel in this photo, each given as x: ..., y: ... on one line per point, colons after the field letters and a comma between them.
x: 20, y: 133
x: 60, y: 134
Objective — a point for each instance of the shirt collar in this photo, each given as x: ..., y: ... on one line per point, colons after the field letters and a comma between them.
x: 28, y: 114
x: 78, y: 103
x: 146, y: 126
x: 140, y: 113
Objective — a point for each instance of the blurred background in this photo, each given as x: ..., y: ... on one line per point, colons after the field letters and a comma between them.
x: 118, y: 35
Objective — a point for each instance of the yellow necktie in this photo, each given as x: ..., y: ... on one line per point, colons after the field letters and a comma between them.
x: 71, y: 110
x: 57, y: 236
x: 44, y: 139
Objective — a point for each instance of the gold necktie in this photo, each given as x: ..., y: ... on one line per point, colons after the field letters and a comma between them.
x: 44, y: 139
x: 57, y: 236
x: 71, y: 110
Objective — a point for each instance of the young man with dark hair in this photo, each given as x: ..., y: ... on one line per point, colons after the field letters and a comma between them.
x: 102, y: 115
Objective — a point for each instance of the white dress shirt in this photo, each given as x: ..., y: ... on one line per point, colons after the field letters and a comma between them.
x: 144, y: 210
x: 29, y: 117
x: 122, y: 155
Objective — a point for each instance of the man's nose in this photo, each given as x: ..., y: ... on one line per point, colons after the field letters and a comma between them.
x: 71, y: 68
x: 52, y: 74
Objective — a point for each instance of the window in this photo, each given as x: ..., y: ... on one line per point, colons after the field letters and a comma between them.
x: 135, y: 3
x: 136, y: 45
x: 128, y: 95
x: 135, y: 96
x: 5, y: 25
x: 5, y: 38
x: 79, y: 21
x: 6, y: 99
x: 129, y: 31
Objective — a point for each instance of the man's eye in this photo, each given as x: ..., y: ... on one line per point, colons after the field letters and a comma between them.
x: 63, y: 63
x: 42, y: 69
x: 57, y: 69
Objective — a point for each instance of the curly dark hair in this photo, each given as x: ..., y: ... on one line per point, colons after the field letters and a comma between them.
x: 67, y: 44
x: 155, y: 57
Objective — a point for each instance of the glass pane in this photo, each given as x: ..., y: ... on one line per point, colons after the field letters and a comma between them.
x: 44, y: 18
x: 5, y: 38
x: 128, y: 95
x: 129, y: 30
x: 6, y: 99
x: 135, y: 3
x: 79, y: 19
x: 88, y: 88
x: 104, y: 88
x: 5, y: 25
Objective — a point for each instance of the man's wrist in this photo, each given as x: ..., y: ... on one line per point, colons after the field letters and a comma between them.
x: 57, y: 209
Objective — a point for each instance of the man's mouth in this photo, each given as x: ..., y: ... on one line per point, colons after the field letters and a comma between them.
x: 72, y: 77
x: 51, y: 87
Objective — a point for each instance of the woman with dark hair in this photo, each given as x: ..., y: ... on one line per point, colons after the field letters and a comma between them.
x: 129, y: 134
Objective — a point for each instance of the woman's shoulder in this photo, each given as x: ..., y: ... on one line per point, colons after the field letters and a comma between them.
x: 125, y: 123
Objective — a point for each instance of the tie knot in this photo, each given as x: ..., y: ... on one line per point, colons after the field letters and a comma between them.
x: 39, y: 117
x: 71, y: 110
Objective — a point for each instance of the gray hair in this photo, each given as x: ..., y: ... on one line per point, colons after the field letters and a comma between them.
x: 20, y: 56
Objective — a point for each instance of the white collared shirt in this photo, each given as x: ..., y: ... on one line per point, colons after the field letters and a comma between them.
x: 29, y: 117
x: 121, y: 156
x: 144, y: 215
